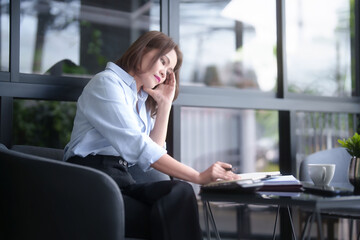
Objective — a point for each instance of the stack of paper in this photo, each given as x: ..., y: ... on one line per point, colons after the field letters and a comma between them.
x: 286, y: 183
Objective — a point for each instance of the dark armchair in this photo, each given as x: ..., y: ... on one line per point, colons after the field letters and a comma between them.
x: 47, y: 199
x: 44, y: 198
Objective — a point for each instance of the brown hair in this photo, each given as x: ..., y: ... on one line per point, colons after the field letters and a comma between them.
x: 131, y: 60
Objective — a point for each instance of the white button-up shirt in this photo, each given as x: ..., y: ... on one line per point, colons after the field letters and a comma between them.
x: 108, y: 123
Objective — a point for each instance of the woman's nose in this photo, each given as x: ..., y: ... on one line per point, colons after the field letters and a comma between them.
x: 162, y: 73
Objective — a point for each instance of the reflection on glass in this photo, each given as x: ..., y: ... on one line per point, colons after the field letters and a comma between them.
x: 320, y: 131
x: 43, y: 123
x: 229, y: 43
x: 5, y: 35
x: 79, y: 37
x: 247, y: 139
x: 318, y: 37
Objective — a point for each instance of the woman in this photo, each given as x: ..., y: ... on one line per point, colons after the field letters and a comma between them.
x: 121, y: 119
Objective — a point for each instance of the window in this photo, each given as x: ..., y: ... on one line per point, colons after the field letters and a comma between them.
x: 5, y: 35
x: 319, y: 51
x: 247, y: 139
x: 229, y: 43
x: 228, y: 46
x: 43, y: 123
x: 79, y: 37
x: 316, y: 131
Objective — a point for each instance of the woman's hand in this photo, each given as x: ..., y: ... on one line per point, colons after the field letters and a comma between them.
x: 218, y: 170
x: 164, y: 93
x: 174, y: 168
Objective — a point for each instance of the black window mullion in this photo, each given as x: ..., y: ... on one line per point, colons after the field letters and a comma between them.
x: 287, y: 145
x: 357, y: 47
x: 6, y: 113
x: 281, y: 49
x: 285, y: 120
x: 14, y: 40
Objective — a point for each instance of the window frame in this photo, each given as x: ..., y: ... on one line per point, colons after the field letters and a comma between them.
x: 14, y: 84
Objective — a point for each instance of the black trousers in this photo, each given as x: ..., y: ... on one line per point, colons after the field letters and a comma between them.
x: 165, y: 210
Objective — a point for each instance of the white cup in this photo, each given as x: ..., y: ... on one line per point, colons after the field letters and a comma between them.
x: 321, y: 174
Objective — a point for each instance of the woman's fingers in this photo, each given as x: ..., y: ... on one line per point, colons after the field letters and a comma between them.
x: 165, y: 91
x: 220, y: 170
x: 172, y: 79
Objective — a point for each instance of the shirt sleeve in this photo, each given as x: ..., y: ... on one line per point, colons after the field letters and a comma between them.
x: 106, y: 106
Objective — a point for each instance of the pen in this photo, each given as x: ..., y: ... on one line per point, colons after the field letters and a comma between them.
x: 230, y: 169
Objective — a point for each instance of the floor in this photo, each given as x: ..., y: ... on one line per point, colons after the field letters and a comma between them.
x: 262, y: 223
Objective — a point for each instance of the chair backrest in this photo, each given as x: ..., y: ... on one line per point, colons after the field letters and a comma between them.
x: 338, y: 156
x: 52, y: 153
x: 47, y: 199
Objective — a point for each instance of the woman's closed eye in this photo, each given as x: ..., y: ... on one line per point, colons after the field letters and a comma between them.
x: 162, y: 60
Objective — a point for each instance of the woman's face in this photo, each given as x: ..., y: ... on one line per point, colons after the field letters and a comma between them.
x: 151, y: 76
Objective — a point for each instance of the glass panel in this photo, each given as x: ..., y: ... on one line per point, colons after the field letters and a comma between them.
x: 318, y: 38
x: 5, y: 35
x: 43, y: 123
x: 320, y: 131
x: 247, y: 139
x: 229, y: 43
x: 79, y: 37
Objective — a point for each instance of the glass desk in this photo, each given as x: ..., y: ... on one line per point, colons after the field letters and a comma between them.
x: 284, y: 200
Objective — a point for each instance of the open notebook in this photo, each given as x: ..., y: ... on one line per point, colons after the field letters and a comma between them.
x: 256, y: 181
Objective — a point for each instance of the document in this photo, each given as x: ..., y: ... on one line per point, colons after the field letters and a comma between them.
x: 257, y: 181
x: 286, y: 183
x: 259, y: 175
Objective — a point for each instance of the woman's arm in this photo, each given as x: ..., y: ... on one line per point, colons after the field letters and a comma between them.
x: 164, y: 96
x: 158, y: 133
x: 174, y: 168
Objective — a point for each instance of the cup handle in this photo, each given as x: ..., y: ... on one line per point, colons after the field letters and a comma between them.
x: 323, y: 173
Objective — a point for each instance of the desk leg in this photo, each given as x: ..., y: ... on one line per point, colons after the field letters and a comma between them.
x: 206, y: 220
x: 291, y: 222
x: 312, y: 222
x: 276, y: 218
x: 209, y: 216
x: 303, y: 233
x: 290, y: 219
x: 319, y: 225
x: 243, y: 226
x: 286, y: 224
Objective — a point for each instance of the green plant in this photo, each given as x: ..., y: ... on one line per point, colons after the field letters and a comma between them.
x: 352, y: 145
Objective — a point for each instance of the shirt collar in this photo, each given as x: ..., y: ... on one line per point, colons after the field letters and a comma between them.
x: 128, y: 79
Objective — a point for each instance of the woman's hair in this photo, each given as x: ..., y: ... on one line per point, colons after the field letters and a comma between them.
x: 131, y: 60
